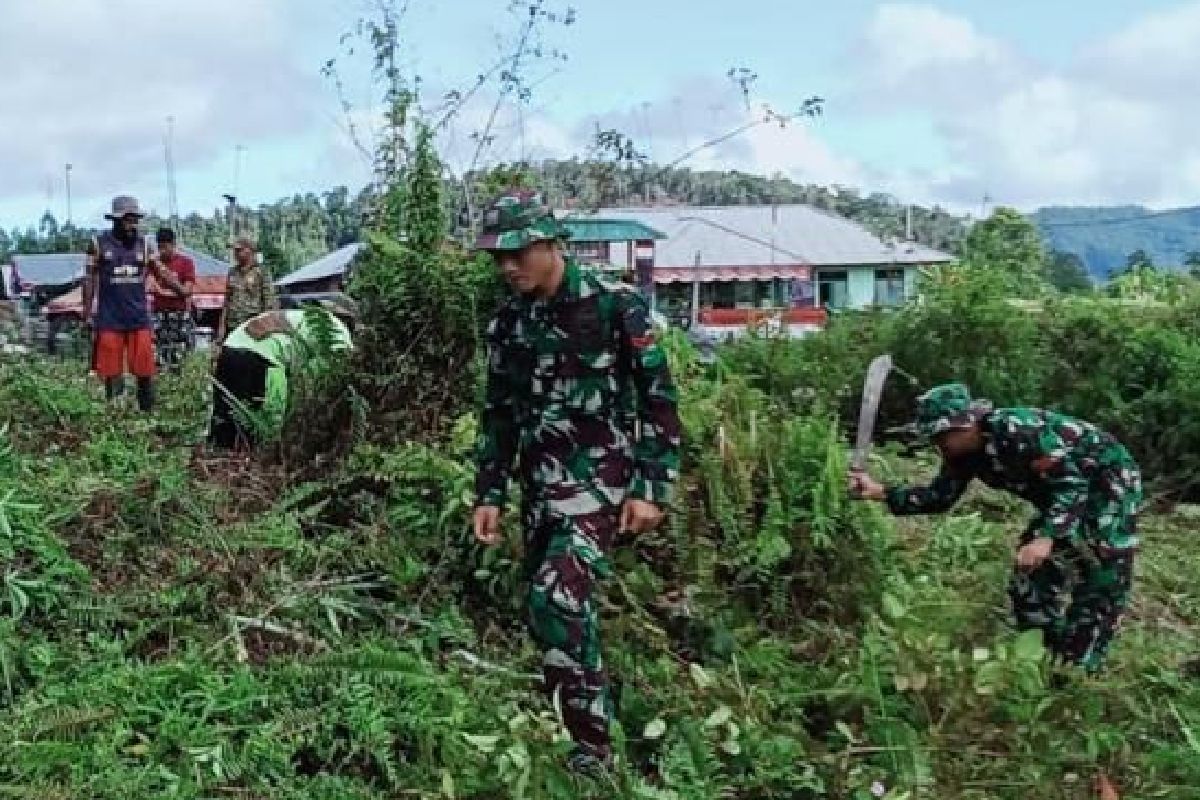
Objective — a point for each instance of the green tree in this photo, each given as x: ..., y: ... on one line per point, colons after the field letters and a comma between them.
x: 1138, y: 259
x: 1067, y: 273
x: 1192, y: 262
x: 1010, y: 246
x: 1144, y: 281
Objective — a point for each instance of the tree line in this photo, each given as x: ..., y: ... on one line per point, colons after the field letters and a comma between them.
x: 295, y: 230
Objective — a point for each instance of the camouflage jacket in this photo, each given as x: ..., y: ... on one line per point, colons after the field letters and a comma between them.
x: 578, y: 394
x: 248, y: 293
x: 10, y: 323
x: 1065, y: 467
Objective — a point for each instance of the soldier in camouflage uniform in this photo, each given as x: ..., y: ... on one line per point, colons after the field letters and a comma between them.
x: 248, y: 292
x: 579, y: 396
x: 1086, y: 488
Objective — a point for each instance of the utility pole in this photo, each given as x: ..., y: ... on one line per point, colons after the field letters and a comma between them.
x: 984, y: 204
x: 68, y: 193
x: 169, y: 158
x: 231, y: 216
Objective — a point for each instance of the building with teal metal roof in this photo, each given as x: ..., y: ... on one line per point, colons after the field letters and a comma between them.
x: 593, y: 229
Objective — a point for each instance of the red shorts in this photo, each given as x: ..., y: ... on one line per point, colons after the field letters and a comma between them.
x: 115, y: 348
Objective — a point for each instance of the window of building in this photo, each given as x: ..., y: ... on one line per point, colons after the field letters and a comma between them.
x: 717, y: 294
x: 800, y: 293
x: 889, y: 287
x: 768, y: 294
x: 745, y: 294
x: 833, y: 289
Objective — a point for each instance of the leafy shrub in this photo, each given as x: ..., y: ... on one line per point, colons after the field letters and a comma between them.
x: 424, y: 305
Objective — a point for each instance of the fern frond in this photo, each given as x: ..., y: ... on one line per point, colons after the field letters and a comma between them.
x: 294, y: 722
x: 36, y: 791
x: 70, y: 723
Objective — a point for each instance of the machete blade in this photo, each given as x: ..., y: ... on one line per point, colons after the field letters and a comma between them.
x: 872, y: 391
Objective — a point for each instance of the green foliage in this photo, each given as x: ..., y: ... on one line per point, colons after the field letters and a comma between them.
x: 773, y: 494
x: 1142, y: 281
x: 335, y: 638
x: 1009, y: 246
x: 966, y: 329
x: 593, y: 182
x: 180, y: 624
x: 1067, y: 273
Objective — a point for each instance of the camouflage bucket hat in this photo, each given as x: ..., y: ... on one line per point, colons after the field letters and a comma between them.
x: 948, y: 408
x: 517, y: 219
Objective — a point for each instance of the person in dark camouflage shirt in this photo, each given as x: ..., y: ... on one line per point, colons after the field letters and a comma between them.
x: 1087, y: 490
x: 579, y: 396
x: 248, y: 292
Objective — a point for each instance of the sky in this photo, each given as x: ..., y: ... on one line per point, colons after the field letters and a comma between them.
x: 963, y: 103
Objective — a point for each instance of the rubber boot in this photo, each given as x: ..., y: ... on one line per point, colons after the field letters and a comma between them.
x: 145, y: 394
x: 114, y: 388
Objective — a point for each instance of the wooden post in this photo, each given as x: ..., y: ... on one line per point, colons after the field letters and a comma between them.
x: 695, y: 302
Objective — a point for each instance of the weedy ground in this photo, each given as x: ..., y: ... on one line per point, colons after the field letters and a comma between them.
x: 175, y: 623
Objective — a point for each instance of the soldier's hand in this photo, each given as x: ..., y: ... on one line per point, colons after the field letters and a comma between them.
x: 638, y: 516
x: 1031, y: 556
x: 487, y: 525
x: 863, y: 487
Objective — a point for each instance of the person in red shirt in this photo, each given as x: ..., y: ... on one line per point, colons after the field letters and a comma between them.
x: 173, y: 312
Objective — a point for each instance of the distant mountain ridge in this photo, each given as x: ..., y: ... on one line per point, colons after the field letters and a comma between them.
x: 1104, y: 236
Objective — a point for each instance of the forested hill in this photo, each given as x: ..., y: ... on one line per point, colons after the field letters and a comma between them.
x: 1106, y: 237
x: 296, y: 230
x: 592, y: 184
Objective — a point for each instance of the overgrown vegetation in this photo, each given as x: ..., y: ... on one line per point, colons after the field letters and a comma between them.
x: 344, y: 637
x: 1127, y: 364
x: 318, y: 622
x: 322, y: 624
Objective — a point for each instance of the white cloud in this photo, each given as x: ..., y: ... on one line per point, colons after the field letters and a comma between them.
x: 1114, y: 125
x: 910, y: 38
x: 699, y: 113
x: 795, y: 150
x: 91, y: 82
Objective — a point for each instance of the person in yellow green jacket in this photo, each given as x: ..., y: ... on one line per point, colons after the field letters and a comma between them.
x: 256, y: 360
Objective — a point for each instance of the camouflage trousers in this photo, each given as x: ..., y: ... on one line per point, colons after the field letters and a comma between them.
x: 1079, y: 595
x: 173, y: 337
x: 565, y: 559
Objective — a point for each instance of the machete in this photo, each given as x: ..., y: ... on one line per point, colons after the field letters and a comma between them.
x: 872, y: 391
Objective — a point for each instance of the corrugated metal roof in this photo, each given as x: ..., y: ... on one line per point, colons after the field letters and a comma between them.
x: 327, y: 266
x: 594, y: 229
x: 205, y: 264
x: 49, y: 269
x: 57, y: 269
x: 209, y: 292
x: 767, y: 235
